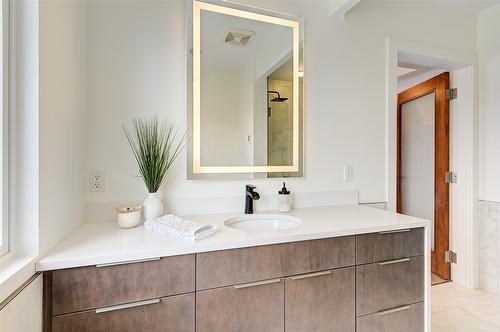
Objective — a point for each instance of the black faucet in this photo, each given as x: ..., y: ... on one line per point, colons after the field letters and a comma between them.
x: 250, y: 196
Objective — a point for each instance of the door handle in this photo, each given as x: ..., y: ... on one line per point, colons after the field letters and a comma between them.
x: 394, y: 261
x: 257, y: 283
x: 391, y: 311
x: 394, y: 231
x: 129, y: 262
x: 311, y: 275
x: 126, y: 305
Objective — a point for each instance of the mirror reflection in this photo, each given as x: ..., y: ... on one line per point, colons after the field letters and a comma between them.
x: 247, y: 99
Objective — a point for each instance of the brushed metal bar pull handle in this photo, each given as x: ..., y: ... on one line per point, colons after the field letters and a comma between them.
x: 129, y: 262
x: 395, y: 231
x: 395, y: 261
x: 311, y: 275
x: 391, y: 311
x: 126, y: 305
x: 257, y: 283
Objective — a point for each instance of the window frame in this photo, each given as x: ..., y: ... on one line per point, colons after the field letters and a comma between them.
x: 5, y: 71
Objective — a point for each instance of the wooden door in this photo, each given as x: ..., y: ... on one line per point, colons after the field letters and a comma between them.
x: 321, y: 301
x: 436, y: 86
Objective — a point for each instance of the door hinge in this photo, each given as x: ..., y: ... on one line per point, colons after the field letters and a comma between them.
x: 451, y: 177
x: 451, y: 94
x: 450, y: 257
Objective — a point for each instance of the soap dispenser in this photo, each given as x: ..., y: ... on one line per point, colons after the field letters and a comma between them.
x: 284, y: 199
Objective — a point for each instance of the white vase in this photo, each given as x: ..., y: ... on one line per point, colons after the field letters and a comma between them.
x: 152, y: 207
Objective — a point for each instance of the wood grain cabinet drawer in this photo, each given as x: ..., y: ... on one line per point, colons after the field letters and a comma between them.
x: 243, y: 308
x: 409, y: 318
x: 384, y: 246
x: 390, y: 284
x: 321, y: 301
x: 236, y: 266
x: 176, y: 313
x: 91, y: 287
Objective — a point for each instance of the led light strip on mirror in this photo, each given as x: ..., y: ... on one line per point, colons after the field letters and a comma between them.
x: 197, y: 168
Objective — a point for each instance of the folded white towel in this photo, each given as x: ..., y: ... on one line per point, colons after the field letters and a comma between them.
x: 179, y: 228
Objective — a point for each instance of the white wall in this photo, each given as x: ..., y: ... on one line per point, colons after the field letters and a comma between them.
x: 24, y: 312
x: 417, y: 79
x: 63, y: 118
x: 137, y: 66
x: 19, y: 264
x: 260, y: 122
x: 488, y: 46
x: 48, y: 133
x: 227, y: 118
x: 462, y: 197
x: 24, y: 125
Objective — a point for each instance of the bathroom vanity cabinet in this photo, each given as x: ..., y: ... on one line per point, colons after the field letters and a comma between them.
x: 369, y: 282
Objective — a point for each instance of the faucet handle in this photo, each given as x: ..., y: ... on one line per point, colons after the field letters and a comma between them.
x: 250, y: 187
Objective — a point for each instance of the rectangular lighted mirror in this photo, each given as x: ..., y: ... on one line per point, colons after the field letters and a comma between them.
x: 246, y: 91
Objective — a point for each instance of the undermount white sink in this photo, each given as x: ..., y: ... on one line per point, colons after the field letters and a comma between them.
x: 263, y: 222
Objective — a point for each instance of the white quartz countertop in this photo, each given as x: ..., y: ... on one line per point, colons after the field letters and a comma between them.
x: 102, y: 243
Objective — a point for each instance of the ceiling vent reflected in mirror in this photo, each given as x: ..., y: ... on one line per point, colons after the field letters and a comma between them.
x: 239, y: 37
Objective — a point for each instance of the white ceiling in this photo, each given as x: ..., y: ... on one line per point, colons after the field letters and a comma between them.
x: 403, y: 71
x: 216, y: 54
x: 475, y: 6
x: 409, y: 70
x: 284, y: 72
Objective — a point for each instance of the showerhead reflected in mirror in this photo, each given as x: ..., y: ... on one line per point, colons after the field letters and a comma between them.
x: 279, y: 98
x: 247, y: 94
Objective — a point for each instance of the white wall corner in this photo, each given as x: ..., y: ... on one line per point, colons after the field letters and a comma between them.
x: 339, y: 8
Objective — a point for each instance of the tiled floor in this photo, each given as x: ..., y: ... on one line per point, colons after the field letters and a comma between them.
x: 457, y: 309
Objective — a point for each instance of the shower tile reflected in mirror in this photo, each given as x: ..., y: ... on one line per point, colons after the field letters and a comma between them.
x: 280, y: 120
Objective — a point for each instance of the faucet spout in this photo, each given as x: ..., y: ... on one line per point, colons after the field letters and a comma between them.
x: 250, y: 196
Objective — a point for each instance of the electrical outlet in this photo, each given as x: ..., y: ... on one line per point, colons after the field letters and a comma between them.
x: 348, y: 173
x: 97, y: 181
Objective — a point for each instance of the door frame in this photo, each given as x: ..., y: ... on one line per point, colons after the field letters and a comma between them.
x: 437, y: 84
x: 463, y: 234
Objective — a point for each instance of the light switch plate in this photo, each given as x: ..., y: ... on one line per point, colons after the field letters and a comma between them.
x: 348, y: 173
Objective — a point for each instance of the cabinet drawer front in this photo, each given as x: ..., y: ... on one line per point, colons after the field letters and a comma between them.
x: 383, y: 246
x: 253, y: 307
x: 321, y: 302
x: 90, y: 287
x: 390, y: 284
x: 235, y: 266
x: 176, y: 313
x: 408, y: 318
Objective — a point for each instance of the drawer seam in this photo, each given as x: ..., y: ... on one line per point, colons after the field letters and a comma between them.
x: 277, y: 277
x: 375, y: 312
x: 143, y: 299
x: 386, y: 260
